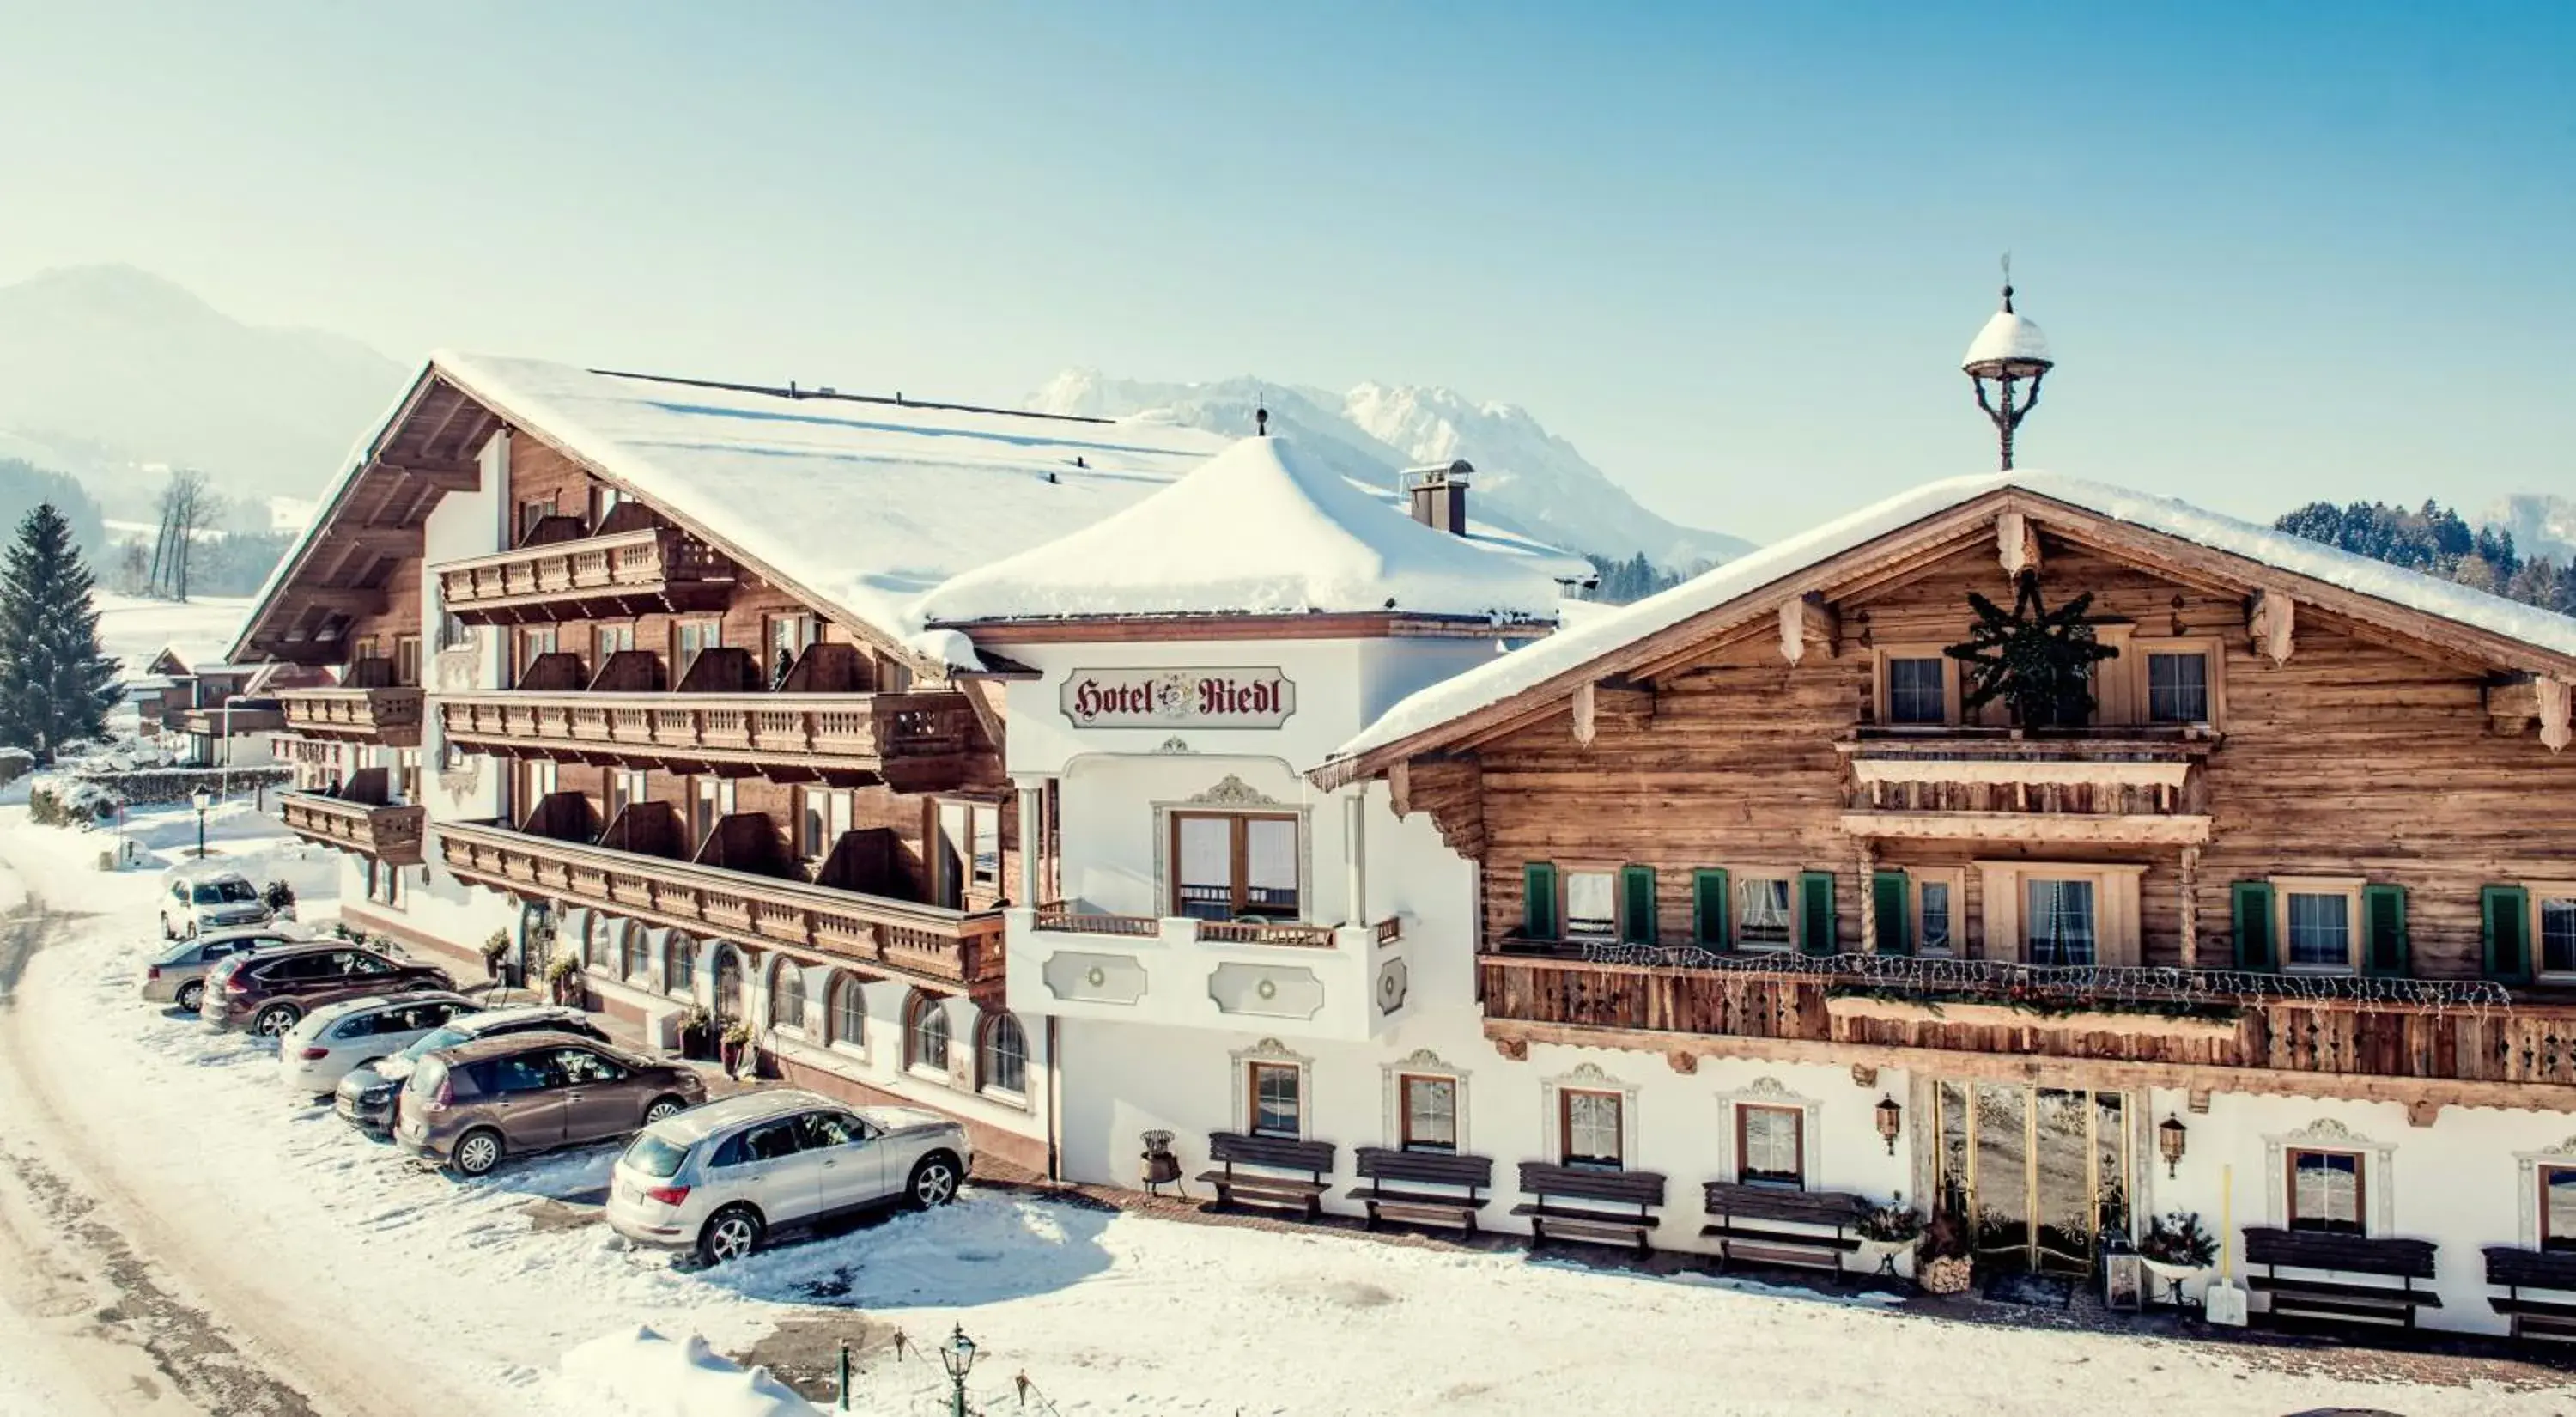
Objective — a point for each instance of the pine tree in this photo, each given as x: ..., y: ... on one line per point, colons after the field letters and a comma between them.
x: 55, y: 685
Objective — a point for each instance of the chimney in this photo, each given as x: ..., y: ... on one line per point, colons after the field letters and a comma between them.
x: 1440, y: 495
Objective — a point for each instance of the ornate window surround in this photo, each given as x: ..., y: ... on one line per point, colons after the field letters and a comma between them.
x: 2527, y: 1166
x: 1420, y: 1063
x: 2379, y: 1180
x: 1232, y: 793
x: 1768, y: 1091
x: 1587, y: 1077
x: 1271, y: 1050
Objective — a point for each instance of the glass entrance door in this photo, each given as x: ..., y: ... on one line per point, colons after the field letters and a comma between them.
x: 2040, y: 1172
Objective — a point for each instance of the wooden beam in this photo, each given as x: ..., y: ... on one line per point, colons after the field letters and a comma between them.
x: 2016, y: 544
x: 2270, y: 620
x: 2423, y: 1112
x: 2086, y: 828
x: 1399, y: 788
x: 1583, y: 710
x: 1805, y: 618
x: 2554, y: 696
x: 1512, y: 1038
x: 445, y: 476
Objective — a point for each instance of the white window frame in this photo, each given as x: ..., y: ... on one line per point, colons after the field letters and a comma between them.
x: 1272, y: 1052
x: 2378, y: 1176
x: 804, y: 1001
x: 1588, y: 1077
x: 2537, y: 892
x: 1956, y: 879
x: 1421, y: 1063
x: 2213, y: 653
x: 835, y: 982
x: 1769, y: 1091
x: 1738, y: 877
x: 2115, y: 907
x: 2348, y: 887
x: 1565, y: 875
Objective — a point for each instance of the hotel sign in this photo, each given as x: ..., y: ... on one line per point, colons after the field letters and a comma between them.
x: 1178, y: 698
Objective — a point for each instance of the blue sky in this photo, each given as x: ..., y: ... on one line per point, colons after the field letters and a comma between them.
x: 2283, y: 251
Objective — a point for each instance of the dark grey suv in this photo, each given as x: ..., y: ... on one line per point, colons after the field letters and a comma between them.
x: 366, y: 1096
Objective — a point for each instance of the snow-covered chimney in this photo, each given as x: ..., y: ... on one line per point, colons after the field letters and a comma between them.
x: 1440, y: 495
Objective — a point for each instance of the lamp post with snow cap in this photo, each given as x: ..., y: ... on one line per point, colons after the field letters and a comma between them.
x: 202, y: 800
x: 2011, y: 355
x: 957, y: 1355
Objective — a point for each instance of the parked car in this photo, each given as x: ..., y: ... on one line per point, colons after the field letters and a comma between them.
x: 270, y: 991
x: 719, y: 1179
x: 468, y: 1107
x: 179, y: 975
x: 198, y: 898
x: 314, y: 1055
x: 366, y: 1096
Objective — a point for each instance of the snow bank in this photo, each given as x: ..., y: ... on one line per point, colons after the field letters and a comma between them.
x: 652, y: 1376
x: 1264, y: 529
x: 1578, y: 645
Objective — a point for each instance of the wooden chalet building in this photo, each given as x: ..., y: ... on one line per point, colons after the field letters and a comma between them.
x: 2284, y: 932
x: 621, y: 669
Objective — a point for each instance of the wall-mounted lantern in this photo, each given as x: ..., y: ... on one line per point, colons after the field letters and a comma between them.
x: 1891, y: 1119
x: 2170, y: 1136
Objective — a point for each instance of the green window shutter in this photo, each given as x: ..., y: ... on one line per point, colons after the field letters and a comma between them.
x: 1891, y: 901
x: 1538, y: 901
x: 1817, y: 932
x: 2383, y: 941
x: 2253, y: 900
x: 1712, y: 908
x: 1637, y: 904
x: 2507, y: 913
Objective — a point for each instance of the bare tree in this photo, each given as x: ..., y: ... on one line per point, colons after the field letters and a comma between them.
x: 133, y: 575
x: 188, y: 508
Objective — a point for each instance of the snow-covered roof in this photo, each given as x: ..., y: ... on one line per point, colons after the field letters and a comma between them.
x: 1261, y: 529
x: 2007, y: 335
x: 863, y: 505
x: 1579, y: 643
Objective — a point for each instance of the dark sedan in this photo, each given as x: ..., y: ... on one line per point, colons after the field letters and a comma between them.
x: 269, y: 991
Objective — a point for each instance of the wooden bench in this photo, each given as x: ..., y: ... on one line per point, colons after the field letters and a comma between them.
x: 2517, y: 1269
x: 1783, y: 1226
x: 1270, y: 1154
x: 1398, y: 1175
x: 2336, y: 1300
x: 1576, y: 1202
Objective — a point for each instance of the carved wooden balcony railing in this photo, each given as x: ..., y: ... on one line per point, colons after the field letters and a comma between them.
x: 916, y: 742
x: 2165, y: 1027
x: 626, y: 573
x: 1221, y: 932
x: 390, y: 717
x: 920, y: 941
x: 388, y: 834
x: 2124, y: 786
x: 226, y: 720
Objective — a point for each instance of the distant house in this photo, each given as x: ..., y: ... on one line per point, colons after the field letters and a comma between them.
x: 224, y: 710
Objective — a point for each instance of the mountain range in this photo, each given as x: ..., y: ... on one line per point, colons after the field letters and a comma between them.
x: 1527, y: 479
x: 106, y: 370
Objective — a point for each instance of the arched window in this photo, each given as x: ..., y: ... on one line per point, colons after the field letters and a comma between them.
x: 637, y: 954
x: 1002, y: 1056
x: 594, y: 941
x: 925, y: 1032
x: 849, y: 1012
x: 787, y: 995
x: 680, y: 964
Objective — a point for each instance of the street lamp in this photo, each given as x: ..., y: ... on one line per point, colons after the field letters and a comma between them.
x: 2011, y: 355
x: 203, y: 799
x: 957, y: 1355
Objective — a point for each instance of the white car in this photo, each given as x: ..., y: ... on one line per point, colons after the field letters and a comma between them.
x: 200, y: 898
x: 314, y: 1055
x: 719, y: 1178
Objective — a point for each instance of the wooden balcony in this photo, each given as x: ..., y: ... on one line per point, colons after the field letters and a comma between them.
x: 914, y: 742
x: 2133, y: 786
x: 390, y: 717
x: 231, y: 720
x: 2423, y: 1042
x: 388, y: 834
x: 919, y: 941
x: 625, y: 573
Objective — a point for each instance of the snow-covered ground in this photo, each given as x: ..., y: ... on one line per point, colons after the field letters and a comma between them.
x: 334, y: 1251
x: 133, y: 630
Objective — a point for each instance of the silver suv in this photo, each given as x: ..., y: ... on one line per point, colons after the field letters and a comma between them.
x: 199, y: 898
x: 719, y: 1178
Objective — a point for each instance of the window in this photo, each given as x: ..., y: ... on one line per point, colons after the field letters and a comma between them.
x: 680, y: 964
x: 2177, y: 687
x: 2558, y: 1209
x: 1429, y: 1113
x: 2060, y: 922
x: 1591, y: 905
x: 925, y: 1033
x: 2326, y: 1191
x: 1917, y: 690
x: 1936, y: 915
x: 789, y: 635
x: 594, y: 942
x: 407, y: 776
x: 452, y: 632
x: 384, y: 883
x: 1230, y: 865
x: 531, y: 512
x: 611, y: 639
x: 688, y: 637
x: 535, y: 642
x: 2555, y: 909
x: 821, y: 822
x: 787, y: 996
x: 710, y: 801
x: 1762, y: 916
x: 1276, y: 1109
x: 969, y: 851
x: 1002, y: 1056
x: 407, y: 661
x: 849, y: 1008
x: 2317, y: 920
x: 635, y: 954
x: 1771, y: 1146
x: 626, y: 787
x: 1589, y: 1127
x: 603, y: 500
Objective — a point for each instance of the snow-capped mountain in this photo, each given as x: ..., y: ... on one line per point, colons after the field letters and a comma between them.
x: 1528, y: 480
x: 106, y: 367
x: 2542, y: 525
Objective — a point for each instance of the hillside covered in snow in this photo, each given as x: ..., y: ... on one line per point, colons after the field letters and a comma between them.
x: 1528, y: 480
